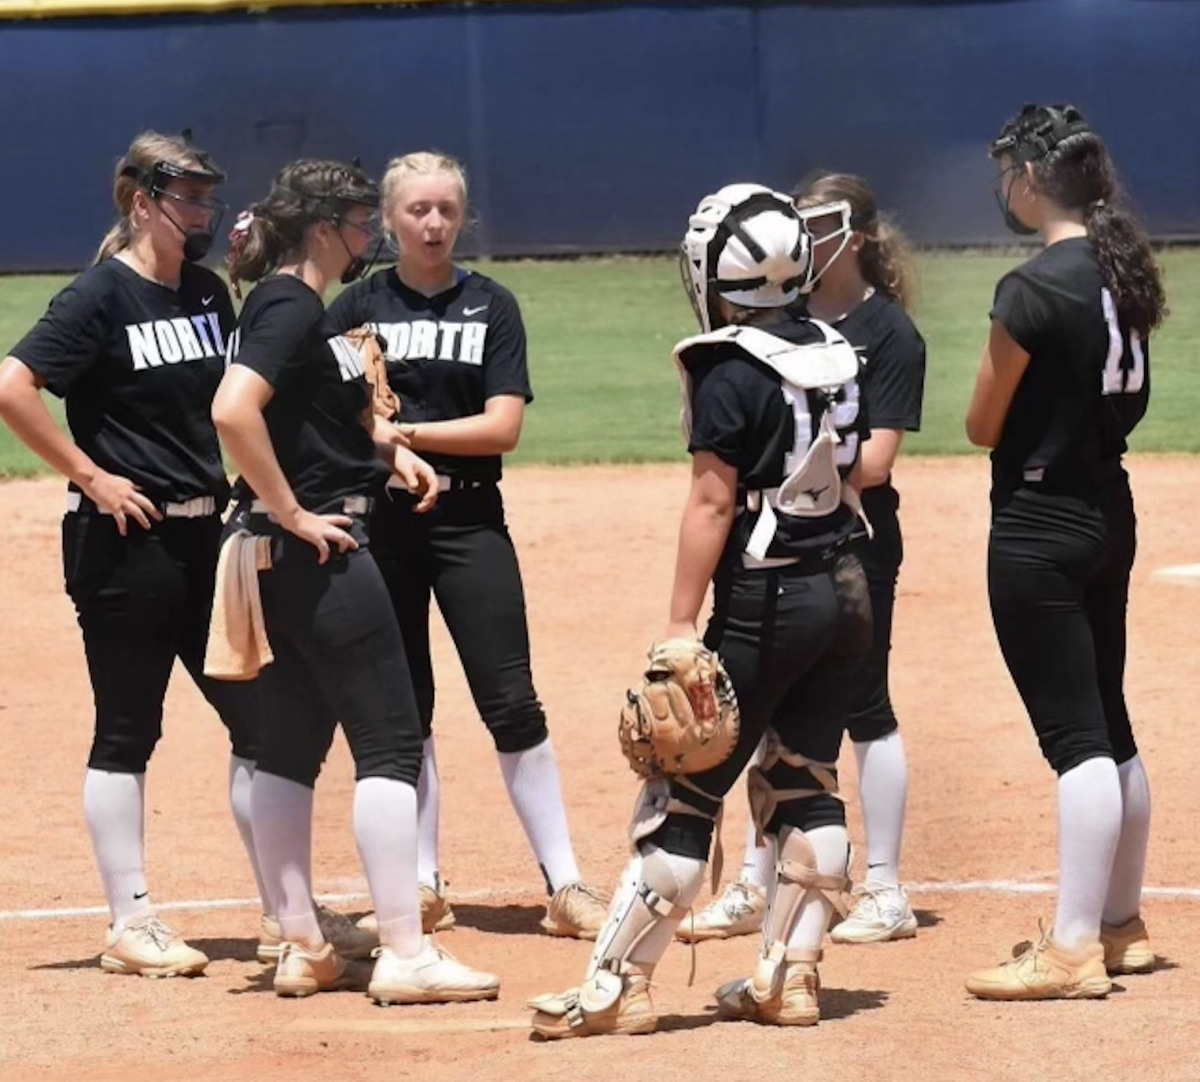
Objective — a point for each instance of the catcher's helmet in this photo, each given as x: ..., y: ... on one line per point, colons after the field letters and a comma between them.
x: 745, y: 243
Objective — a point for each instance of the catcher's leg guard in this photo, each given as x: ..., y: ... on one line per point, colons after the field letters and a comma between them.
x: 657, y: 889
x: 784, y: 987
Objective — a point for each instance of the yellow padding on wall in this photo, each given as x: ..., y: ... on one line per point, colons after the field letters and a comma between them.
x: 65, y: 9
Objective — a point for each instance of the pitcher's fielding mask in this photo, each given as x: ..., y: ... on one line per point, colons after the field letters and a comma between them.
x: 748, y: 244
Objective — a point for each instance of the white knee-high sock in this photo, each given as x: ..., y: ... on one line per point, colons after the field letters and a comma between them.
x: 114, y: 807
x: 883, y: 791
x: 758, y: 865
x: 832, y: 845
x: 241, y: 776
x: 1124, y: 899
x: 531, y: 777
x: 281, y: 817
x: 1089, y: 827
x: 429, y: 809
x: 385, y: 827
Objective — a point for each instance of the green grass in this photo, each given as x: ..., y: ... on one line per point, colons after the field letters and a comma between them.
x: 601, y: 333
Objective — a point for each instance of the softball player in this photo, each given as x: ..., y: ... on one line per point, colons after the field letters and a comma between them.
x: 290, y: 412
x: 456, y: 359
x: 1064, y: 379
x: 135, y: 347
x: 768, y: 521
x: 865, y: 284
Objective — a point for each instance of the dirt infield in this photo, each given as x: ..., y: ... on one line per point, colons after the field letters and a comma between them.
x: 597, y: 556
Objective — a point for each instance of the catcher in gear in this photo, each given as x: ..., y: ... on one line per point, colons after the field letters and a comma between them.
x: 772, y: 418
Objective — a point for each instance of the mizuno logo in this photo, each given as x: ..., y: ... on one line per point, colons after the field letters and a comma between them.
x: 475, y: 311
x: 206, y: 301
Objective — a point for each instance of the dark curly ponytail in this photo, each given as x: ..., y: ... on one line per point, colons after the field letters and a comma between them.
x: 1073, y: 167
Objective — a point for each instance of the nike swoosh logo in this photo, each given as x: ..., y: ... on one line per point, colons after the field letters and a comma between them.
x: 475, y: 311
x: 206, y: 301
x: 139, y: 897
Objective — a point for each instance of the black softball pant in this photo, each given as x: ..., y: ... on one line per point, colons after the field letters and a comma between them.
x: 461, y: 554
x: 791, y: 641
x: 142, y: 601
x: 871, y: 714
x: 338, y: 658
x: 1058, y: 581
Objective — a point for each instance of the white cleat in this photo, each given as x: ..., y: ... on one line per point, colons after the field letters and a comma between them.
x: 881, y: 912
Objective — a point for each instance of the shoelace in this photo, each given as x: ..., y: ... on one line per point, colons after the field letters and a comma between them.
x: 738, y: 902
x: 157, y: 932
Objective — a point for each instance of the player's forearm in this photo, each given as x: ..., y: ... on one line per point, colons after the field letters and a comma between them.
x: 703, y: 533
x: 25, y: 412
x: 496, y: 431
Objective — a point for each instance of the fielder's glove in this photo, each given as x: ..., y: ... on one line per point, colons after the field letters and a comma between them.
x: 384, y: 402
x: 684, y: 718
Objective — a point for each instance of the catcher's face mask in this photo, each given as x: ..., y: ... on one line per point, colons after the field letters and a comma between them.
x: 745, y: 243
x: 184, y: 195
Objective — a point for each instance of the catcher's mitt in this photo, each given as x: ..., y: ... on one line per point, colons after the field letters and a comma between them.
x: 384, y: 402
x: 684, y: 719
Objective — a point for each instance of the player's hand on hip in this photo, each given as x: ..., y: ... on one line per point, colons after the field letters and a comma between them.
x: 121, y: 498
x: 419, y: 478
x: 323, y: 532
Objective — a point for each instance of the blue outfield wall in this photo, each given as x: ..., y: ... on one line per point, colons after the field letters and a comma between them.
x: 596, y: 127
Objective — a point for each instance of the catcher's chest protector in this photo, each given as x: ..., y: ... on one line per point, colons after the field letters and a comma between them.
x: 812, y: 487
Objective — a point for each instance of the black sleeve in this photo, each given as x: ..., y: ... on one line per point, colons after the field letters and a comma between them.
x: 348, y: 310
x: 1023, y: 311
x: 271, y: 334
x: 505, y: 362
x: 719, y: 417
x: 894, y: 384
x: 69, y: 338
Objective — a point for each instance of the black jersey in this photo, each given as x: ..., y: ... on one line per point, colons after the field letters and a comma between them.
x: 893, y: 357
x: 1088, y: 381
x: 321, y: 392
x: 740, y: 415
x: 446, y: 355
x: 137, y: 365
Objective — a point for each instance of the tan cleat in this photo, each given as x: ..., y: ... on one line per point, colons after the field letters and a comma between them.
x: 302, y: 972
x: 436, y: 914
x: 1127, y: 947
x: 1043, y: 970
x: 576, y: 911
x: 270, y: 940
x: 150, y: 948
x: 433, y: 976
x: 738, y: 911
x: 605, y: 1003
x: 786, y: 994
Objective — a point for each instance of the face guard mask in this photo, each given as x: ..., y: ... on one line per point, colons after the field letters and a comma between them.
x: 154, y: 181
x: 825, y: 210
x: 360, y: 265
x: 1036, y: 132
x: 1003, y: 192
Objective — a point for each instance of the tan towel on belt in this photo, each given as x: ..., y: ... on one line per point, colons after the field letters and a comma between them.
x: 237, y: 633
